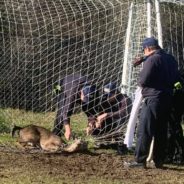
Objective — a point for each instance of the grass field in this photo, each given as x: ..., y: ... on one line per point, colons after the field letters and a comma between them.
x: 97, y: 166
x: 9, y: 117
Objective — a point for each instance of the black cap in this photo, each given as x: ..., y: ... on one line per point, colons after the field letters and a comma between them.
x: 89, y: 92
x: 148, y: 42
x: 110, y: 89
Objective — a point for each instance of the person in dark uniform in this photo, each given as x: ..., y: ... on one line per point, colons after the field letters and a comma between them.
x: 157, y: 78
x: 175, y: 141
x: 114, y: 110
x: 76, y: 89
x: 175, y: 148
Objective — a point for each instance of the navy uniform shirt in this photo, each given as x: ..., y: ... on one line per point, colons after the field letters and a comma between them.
x: 159, y: 73
x: 119, y: 108
x: 72, y: 84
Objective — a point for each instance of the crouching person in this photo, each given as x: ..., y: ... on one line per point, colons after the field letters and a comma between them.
x: 114, y: 111
x: 76, y: 90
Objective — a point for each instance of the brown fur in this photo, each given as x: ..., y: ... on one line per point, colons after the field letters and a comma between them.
x: 36, y: 136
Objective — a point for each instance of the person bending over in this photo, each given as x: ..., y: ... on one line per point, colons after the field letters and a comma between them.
x: 76, y: 90
x: 114, y: 109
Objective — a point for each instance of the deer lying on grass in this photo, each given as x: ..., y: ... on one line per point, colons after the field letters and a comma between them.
x: 32, y: 136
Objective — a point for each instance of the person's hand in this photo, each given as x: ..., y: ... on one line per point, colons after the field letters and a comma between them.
x: 67, y: 132
x: 91, y: 125
x: 89, y: 131
x: 138, y: 61
x: 100, y: 119
x: 90, y: 128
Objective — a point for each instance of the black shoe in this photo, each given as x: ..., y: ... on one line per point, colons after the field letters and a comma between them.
x: 159, y: 165
x: 134, y: 164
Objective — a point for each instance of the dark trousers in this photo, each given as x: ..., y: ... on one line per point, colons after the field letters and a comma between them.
x: 153, y: 123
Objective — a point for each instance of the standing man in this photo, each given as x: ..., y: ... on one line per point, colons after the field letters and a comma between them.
x: 157, y: 78
x: 76, y: 89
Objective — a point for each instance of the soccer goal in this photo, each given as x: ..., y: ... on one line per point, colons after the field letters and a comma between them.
x: 42, y: 41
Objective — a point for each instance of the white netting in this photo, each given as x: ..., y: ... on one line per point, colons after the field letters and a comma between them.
x: 173, y: 30
x: 43, y: 41
x: 171, y: 20
x: 172, y: 24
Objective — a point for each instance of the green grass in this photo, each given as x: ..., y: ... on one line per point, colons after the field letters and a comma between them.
x: 9, y: 117
x: 17, y: 174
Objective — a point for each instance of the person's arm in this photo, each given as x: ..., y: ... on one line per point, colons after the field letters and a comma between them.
x: 123, y: 112
x: 146, y: 73
x: 100, y: 119
x: 68, y: 108
x: 70, y: 91
x: 139, y: 60
x: 67, y: 131
x: 125, y: 105
x: 91, y: 124
x: 91, y: 120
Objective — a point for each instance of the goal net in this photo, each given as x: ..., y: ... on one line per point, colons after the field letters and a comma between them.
x: 44, y: 41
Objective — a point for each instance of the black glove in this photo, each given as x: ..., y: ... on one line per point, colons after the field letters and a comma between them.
x: 138, y: 61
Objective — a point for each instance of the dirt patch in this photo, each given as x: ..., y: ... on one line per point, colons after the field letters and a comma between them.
x: 89, y: 167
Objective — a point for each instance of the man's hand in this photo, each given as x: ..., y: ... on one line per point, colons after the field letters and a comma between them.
x: 138, y: 61
x: 90, y: 128
x: 100, y: 119
x: 67, y: 132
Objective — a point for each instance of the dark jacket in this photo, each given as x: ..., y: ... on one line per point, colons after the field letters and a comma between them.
x: 159, y: 73
x: 72, y: 84
x: 118, y: 109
